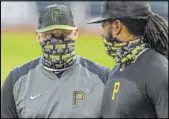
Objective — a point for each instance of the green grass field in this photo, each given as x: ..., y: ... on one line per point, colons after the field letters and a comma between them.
x: 17, y: 49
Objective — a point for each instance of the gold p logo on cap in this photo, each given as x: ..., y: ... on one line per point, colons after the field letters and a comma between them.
x: 55, y: 13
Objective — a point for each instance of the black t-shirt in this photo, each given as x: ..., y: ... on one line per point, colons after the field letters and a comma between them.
x: 140, y: 91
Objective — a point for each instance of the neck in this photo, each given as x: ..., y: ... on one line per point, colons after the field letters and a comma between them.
x: 135, y: 38
x: 129, y: 37
x: 131, y: 50
x: 64, y: 66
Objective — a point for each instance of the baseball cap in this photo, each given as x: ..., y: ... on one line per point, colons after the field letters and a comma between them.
x: 55, y: 17
x: 120, y: 9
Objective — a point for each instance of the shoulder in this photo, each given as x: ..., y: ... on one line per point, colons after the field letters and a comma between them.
x: 154, y: 66
x: 150, y: 66
x: 150, y: 71
x: 101, y: 71
x: 15, y: 75
x: 153, y: 59
x: 158, y: 63
x: 156, y: 71
x: 156, y: 76
x: 17, y: 72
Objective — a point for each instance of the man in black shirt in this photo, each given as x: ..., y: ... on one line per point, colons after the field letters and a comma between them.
x: 138, y: 41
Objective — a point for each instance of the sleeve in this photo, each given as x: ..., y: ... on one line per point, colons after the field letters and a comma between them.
x: 159, y: 96
x: 8, y: 107
x: 107, y: 73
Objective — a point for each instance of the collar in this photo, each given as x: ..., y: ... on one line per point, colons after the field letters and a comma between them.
x: 68, y: 69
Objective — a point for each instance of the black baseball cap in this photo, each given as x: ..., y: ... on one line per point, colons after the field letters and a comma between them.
x: 121, y: 9
x: 55, y: 17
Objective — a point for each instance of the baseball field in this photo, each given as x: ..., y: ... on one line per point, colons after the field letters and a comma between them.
x: 20, y: 48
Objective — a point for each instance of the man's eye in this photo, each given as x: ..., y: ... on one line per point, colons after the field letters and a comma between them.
x: 48, y: 36
x: 55, y: 34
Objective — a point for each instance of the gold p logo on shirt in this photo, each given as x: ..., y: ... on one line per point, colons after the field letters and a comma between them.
x: 78, y: 96
x: 115, y: 90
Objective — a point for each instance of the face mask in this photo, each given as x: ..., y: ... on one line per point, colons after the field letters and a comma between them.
x: 124, y: 53
x: 58, y: 53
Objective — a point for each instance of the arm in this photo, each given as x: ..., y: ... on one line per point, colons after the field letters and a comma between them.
x: 159, y: 96
x: 8, y: 107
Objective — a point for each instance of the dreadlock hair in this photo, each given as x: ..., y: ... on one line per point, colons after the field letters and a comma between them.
x: 154, y: 30
x: 156, y: 34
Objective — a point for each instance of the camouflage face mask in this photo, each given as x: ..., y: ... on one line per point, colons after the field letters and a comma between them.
x: 58, y: 53
x: 124, y: 53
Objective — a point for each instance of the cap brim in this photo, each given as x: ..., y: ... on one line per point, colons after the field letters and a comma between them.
x: 97, y: 20
x: 52, y: 27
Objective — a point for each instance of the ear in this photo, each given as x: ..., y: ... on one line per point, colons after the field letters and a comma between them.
x: 76, y: 32
x: 116, y: 27
x: 37, y: 37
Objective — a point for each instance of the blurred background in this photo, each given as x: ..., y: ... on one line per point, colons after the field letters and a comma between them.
x: 19, y: 22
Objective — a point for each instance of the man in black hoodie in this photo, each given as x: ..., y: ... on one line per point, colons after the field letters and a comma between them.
x: 138, y: 41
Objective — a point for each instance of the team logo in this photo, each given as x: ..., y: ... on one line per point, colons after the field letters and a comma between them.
x: 77, y: 97
x: 55, y: 13
x: 115, y: 90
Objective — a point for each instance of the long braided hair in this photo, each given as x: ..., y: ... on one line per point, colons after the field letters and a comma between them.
x: 156, y: 34
x: 154, y: 30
